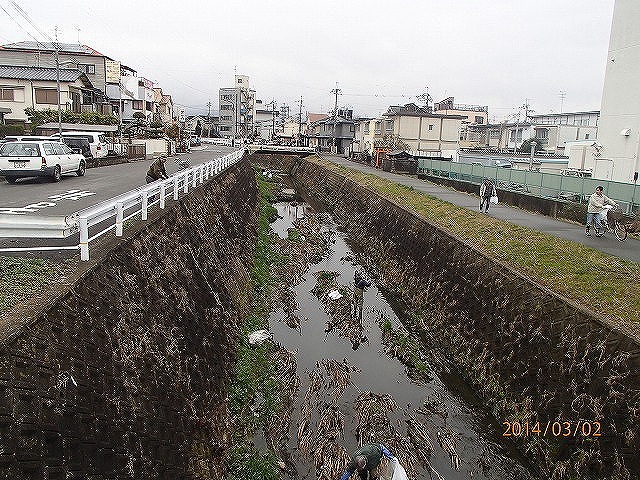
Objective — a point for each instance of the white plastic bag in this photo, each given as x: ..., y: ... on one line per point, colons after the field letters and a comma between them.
x: 334, y: 295
x: 494, y: 199
x: 398, y: 471
x: 258, y: 337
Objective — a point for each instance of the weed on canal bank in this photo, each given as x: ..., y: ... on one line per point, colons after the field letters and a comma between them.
x: 253, y: 399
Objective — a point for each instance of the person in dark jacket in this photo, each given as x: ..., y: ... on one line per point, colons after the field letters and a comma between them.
x: 487, y: 190
x: 365, y: 460
x: 156, y: 170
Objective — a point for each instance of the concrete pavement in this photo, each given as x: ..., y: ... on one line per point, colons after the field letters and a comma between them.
x: 629, y: 249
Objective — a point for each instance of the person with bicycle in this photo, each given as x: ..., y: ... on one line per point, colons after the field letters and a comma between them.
x: 595, y: 209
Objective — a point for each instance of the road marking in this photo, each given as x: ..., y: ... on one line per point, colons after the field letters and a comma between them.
x: 34, y: 207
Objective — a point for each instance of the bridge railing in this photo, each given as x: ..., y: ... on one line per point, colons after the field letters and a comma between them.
x: 121, y: 208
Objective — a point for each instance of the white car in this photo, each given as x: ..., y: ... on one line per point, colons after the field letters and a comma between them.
x: 39, y: 159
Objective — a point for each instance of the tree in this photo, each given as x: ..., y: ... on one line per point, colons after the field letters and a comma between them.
x: 172, y: 131
x: 198, y: 128
x: 38, y: 117
x: 526, y: 146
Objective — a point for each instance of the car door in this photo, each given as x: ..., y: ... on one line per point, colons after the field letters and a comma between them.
x: 62, y: 158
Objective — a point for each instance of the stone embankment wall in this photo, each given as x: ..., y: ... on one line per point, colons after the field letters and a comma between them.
x: 124, y: 375
x: 531, y: 354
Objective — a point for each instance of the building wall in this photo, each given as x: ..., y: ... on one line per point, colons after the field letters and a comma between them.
x: 428, y: 133
x: 621, y: 104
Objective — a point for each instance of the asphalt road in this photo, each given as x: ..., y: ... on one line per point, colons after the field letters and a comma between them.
x: 629, y: 249
x: 74, y: 193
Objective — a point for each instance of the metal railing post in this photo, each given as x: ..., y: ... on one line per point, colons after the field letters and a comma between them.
x: 84, y: 238
x: 162, y: 194
x: 119, y: 218
x: 176, y: 182
x: 201, y: 172
x: 195, y: 179
x: 186, y: 182
x: 145, y: 202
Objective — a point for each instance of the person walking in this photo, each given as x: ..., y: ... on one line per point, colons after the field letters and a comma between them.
x: 156, y: 170
x: 487, y: 190
x: 595, y: 209
x: 365, y: 461
x: 359, y: 285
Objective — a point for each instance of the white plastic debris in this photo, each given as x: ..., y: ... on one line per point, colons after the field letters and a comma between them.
x: 334, y: 295
x: 258, y: 337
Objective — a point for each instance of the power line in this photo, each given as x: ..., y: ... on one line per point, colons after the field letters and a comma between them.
x: 22, y: 28
x: 28, y: 19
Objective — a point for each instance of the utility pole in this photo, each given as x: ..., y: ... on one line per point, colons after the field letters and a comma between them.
x: 300, y: 120
x: 335, y: 91
x: 58, y: 85
x: 562, y: 96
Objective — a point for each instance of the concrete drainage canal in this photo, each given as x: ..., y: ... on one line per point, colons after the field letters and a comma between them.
x: 350, y: 376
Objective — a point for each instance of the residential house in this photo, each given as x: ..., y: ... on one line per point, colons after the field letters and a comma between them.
x: 163, y: 107
x: 208, y: 125
x: 266, y: 121
x: 619, y: 129
x: 237, y: 109
x: 474, y: 114
x: 333, y: 134
x: 36, y: 87
x: 423, y: 131
x: 364, y: 136
x: 42, y: 54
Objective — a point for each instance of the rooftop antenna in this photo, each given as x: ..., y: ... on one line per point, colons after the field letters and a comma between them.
x: 78, y: 30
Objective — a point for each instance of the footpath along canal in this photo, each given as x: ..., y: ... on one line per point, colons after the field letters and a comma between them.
x: 353, y: 381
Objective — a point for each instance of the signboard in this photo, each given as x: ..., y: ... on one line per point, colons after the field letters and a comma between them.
x: 181, y: 115
x: 112, y: 71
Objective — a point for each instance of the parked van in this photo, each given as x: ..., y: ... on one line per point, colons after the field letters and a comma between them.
x: 97, y: 141
x: 25, y: 138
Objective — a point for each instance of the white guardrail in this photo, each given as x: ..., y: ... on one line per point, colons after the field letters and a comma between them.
x: 119, y: 207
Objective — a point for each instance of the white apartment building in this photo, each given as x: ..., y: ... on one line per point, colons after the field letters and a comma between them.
x: 237, y: 109
x: 619, y: 131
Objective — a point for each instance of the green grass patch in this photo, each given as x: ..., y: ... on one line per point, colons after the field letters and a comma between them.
x: 21, y: 278
x: 605, y: 284
x: 253, y: 398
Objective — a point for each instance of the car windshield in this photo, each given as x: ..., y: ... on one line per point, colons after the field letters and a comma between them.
x: 20, y: 149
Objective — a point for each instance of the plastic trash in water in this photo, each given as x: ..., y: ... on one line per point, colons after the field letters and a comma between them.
x: 334, y: 295
x: 398, y: 471
x: 258, y: 337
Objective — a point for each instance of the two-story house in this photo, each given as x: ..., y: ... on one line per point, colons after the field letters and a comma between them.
x: 422, y: 131
x: 334, y: 133
x: 37, y: 87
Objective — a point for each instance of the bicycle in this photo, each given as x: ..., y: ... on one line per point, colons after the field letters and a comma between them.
x: 608, y: 221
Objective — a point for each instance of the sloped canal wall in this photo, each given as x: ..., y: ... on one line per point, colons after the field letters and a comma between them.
x: 124, y: 374
x: 537, y: 359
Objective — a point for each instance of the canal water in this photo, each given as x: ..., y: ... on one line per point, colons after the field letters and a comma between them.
x: 466, y: 442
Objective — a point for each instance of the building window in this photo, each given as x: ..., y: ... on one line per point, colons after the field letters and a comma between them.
x: 586, y: 136
x: 6, y: 94
x: 227, y: 97
x: 225, y: 107
x: 494, y: 134
x: 378, y: 127
x: 542, y: 134
x: 389, y: 125
x: 137, y: 105
x: 366, y: 128
x: 351, y: 128
x: 430, y: 127
x: 225, y: 128
x: 47, y: 96
x: 87, y: 68
x: 225, y: 117
x: 479, y: 120
x: 149, y: 106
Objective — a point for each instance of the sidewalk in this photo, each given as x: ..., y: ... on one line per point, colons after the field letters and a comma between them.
x: 629, y: 249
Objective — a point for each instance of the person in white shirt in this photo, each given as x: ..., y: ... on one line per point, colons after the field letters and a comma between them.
x: 597, y: 201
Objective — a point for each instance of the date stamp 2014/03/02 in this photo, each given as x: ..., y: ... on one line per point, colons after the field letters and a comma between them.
x: 555, y: 428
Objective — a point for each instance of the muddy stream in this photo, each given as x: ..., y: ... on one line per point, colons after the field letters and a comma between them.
x: 351, y: 385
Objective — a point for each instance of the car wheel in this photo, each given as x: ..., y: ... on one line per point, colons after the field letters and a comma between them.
x: 57, y: 174
x: 81, y: 169
x: 11, y: 179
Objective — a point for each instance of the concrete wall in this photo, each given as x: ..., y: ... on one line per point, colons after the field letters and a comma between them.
x: 529, y: 353
x: 123, y: 373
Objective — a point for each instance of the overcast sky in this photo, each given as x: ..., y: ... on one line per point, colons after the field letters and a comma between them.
x: 493, y: 52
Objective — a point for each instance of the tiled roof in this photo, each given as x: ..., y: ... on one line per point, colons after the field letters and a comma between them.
x: 39, y: 73
x: 51, y: 46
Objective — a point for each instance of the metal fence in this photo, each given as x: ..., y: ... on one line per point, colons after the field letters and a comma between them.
x: 121, y: 208
x: 546, y: 185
